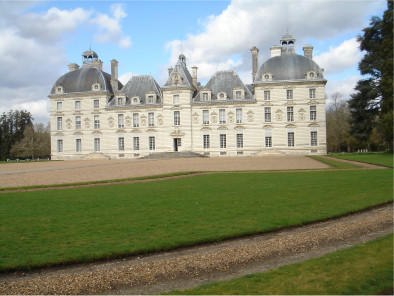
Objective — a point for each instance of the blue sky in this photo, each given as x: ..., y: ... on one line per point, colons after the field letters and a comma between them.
x: 38, y: 39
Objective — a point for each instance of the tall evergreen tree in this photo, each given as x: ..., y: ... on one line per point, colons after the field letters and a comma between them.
x: 372, y: 104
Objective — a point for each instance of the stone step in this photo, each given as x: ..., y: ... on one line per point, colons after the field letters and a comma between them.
x: 181, y: 154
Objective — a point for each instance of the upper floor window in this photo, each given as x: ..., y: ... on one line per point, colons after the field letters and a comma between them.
x: 222, y: 116
x: 205, y: 96
x: 96, y: 104
x: 59, y: 106
x: 59, y: 123
x: 205, y: 117
x: 239, y: 115
x: 267, y: 95
x: 267, y: 114
x: 136, y: 120
x: 238, y: 95
x: 151, y: 119
x: 177, y: 117
x: 120, y: 121
x: 312, y: 93
x: 77, y: 122
x: 96, y: 121
x: 175, y: 99
x: 289, y: 93
x: 290, y: 114
x: 150, y: 99
x: 313, y: 113
x: 77, y: 105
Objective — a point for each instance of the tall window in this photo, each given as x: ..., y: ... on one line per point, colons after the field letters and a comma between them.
x: 206, y: 141
x: 223, y: 143
x: 77, y: 105
x: 96, y: 104
x: 151, y: 119
x: 313, y: 113
x: 238, y: 95
x: 222, y: 116
x: 59, y: 145
x: 313, y: 138
x: 177, y: 117
x: 78, y: 145
x: 96, y: 122
x: 289, y: 94
x: 175, y: 99
x: 59, y: 106
x: 121, y: 143
x: 267, y: 114
x: 59, y: 123
x: 290, y: 114
x: 77, y: 122
x: 136, y: 120
x: 136, y: 143
x: 290, y: 139
x: 120, y: 121
x: 119, y: 101
x: 205, y: 117
x: 240, y: 140
x: 150, y: 100
x: 96, y: 144
x: 205, y: 96
x: 152, y: 143
x: 239, y: 115
x: 312, y: 93
x: 268, y: 142
x: 267, y: 95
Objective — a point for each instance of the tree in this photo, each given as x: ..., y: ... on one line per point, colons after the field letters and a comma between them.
x: 372, y: 104
x: 34, y: 144
x: 12, y: 126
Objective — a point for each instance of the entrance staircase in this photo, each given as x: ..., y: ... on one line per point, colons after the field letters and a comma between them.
x: 166, y: 155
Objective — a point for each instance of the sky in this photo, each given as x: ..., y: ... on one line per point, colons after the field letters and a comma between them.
x: 38, y: 39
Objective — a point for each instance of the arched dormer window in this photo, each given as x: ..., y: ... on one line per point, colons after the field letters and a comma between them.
x: 222, y: 95
x: 135, y: 100
x: 59, y: 89
x: 266, y: 77
x: 311, y: 75
x: 96, y: 86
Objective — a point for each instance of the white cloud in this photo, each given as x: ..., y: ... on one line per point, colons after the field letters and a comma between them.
x: 344, y: 86
x: 125, y: 77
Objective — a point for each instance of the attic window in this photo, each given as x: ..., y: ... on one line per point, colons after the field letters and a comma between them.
x: 96, y: 87
x: 119, y: 101
x: 135, y: 100
x: 150, y: 99
x: 59, y: 89
x: 311, y: 75
x: 267, y: 76
x: 222, y: 96
x: 238, y: 94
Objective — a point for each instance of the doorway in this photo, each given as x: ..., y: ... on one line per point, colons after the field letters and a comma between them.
x: 177, y: 144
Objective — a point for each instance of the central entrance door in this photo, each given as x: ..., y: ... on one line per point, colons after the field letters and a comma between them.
x: 177, y: 143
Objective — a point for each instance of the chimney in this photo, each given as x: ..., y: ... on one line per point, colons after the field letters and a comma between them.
x: 170, y: 71
x: 73, y: 67
x: 97, y: 64
x: 276, y: 51
x: 308, y: 51
x: 114, y: 75
x: 255, y: 61
x: 195, y: 76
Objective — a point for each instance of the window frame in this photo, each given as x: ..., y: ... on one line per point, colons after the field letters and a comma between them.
x: 59, y: 123
x: 97, y: 145
x: 267, y: 95
x: 78, y: 122
x: 120, y: 143
x: 238, y: 115
x: 314, y: 138
x: 313, y: 113
x: 136, y: 120
x: 223, y: 141
x: 77, y: 105
x: 267, y: 114
x: 152, y: 143
x: 205, y: 117
x: 151, y: 119
x: 59, y: 106
x: 175, y: 99
x: 177, y: 118
x: 268, y: 142
x: 290, y: 139
x: 222, y: 116
x: 136, y: 143
x: 290, y: 114
x: 120, y: 120
x: 289, y: 94
x: 312, y: 93
x: 96, y: 104
x: 59, y: 145
x: 240, y: 140
x: 96, y: 121
x: 206, y: 142
x: 78, y: 145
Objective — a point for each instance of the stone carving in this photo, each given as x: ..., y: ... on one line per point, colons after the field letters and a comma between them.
x: 87, y: 122
x: 160, y: 119
x: 111, y: 122
x: 128, y: 121
x: 230, y: 116
x: 250, y: 116
x: 195, y: 118
x: 68, y: 122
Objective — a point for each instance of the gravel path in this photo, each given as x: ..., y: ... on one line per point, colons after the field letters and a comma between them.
x: 189, y: 267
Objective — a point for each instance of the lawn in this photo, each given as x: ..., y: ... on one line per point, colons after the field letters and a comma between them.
x: 384, y: 159
x: 42, y: 228
x: 365, y: 269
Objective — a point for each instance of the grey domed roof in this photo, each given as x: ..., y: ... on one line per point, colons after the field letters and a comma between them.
x: 81, y: 80
x: 289, y: 66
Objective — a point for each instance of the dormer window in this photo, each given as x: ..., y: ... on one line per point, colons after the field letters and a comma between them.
x: 120, y: 101
x: 238, y: 94
x: 151, y: 98
x: 267, y: 77
x: 135, y: 100
x: 222, y: 95
x: 205, y: 96
x: 59, y: 89
x: 96, y: 87
x: 311, y: 75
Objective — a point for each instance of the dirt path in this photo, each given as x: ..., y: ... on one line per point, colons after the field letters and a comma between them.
x: 190, y: 267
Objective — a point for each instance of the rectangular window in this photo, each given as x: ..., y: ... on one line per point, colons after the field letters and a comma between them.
x: 267, y: 114
x: 177, y: 117
x: 239, y: 115
x: 206, y: 141
x: 205, y: 117
x: 121, y: 143
x: 77, y: 105
x: 96, y: 122
x: 290, y: 115
x: 222, y: 116
x: 267, y: 95
x: 96, y: 144
x: 268, y: 142
x: 205, y: 96
x: 59, y: 106
x: 59, y: 123
x: 312, y: 93
x: 240, y: 140
x: 119, y: 101
x: 289, y: 94
x: 290, y: 139
x: 59, y: 145
x: 77, y: 122
x: 175, y: 99
x: 313, y: 138
x: 96, y: 104
x: 136, y: 143
x: 151, y: 119
x: 150, y: 100
x: 78, y: 145
x: 223, y: 143
x: 313, y: 113
x: 136, y: 120
x: 238, y: 95
x: 120, y: 121
x: 152, y: 143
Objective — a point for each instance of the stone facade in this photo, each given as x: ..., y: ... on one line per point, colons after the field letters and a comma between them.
x: 94, y: 116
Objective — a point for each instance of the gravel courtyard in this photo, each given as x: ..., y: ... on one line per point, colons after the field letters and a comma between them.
x: 62, y: 172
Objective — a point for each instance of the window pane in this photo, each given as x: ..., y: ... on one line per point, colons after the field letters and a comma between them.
x: 59, y: 123
x: 290, y: 139
x: 77, y: 122
x: 78, y: 145
x: 290, y: 116
x: 240, y: 140
x: 268, y: 142
x: 267, y: 95
x: 136, y: 121
x: 152, y: 144
x: 59, y: 106
x: 59, y: 145
x: 121, y: 144
x: 205, y: 116
x: 222, y: 116
x: 313, y: 138
x: 136, y: 143
x: 313, y: 113
x: 96, y: 104
x: 176, y: 99
x: 96, y: 122
x: 77, y: 105
x: 239, y: 115
x: 151, y: 119
x: 223, y: 141
x: 206, y: 141
x: 120, y: 121
x: 267, y: 114
x: 290, y: 94
x: 177, y: 118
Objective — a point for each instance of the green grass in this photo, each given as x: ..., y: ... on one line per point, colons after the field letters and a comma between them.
x: 333, y: 163
x: 365, y: 269
x: 42, y: 228
x: 384, y: 159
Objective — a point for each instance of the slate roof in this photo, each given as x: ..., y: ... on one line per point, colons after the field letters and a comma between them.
x: 180, y: 69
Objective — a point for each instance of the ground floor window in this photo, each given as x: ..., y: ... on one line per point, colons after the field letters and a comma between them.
x: 121, y: 144
x: 290, y: 139
x: 206, y: 141
x: 96, y: 144
x: 240, y: 140
x: 136, y: 143
x: 78, y: 145
x: 152, y: 143
x: 313, y: 138
x: 268, y: 142
x: 223, y: 143
x: 59, y: 145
